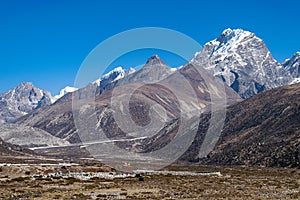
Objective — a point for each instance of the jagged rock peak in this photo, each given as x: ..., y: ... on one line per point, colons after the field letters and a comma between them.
x: 154, y: 60
x: 25, y: 84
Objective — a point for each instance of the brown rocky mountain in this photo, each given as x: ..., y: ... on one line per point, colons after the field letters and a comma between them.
x: 163, y: 87
x: 262, y: 130
x: 154, y: 70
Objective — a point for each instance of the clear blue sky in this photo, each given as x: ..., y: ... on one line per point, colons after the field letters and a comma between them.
x: 46, y: 41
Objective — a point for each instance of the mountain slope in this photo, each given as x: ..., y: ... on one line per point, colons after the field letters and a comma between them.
x: 28, y: 136
x: 21, y: 100
x: 262, y: 130
x: 243, y: 61
x: 56, y: 119
x: 7, y: 149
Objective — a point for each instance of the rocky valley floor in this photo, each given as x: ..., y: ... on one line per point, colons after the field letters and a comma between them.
x: 53, y: 182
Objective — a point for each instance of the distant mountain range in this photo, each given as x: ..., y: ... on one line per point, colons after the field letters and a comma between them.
x: 58, y: 118
x: 261, y: 130
x: 238, y: 57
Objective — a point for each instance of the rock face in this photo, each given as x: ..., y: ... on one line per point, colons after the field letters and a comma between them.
x: 292, y: 65
x: 243, y: 61
x: 21, y: 100
x: 262, y: 130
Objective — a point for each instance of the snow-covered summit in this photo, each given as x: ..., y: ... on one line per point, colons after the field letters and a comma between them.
x: 117, y: 73
x: 21, y: 100
x: 242, y: 61
x: 114, y: 75
x: 233, y: 35
x: 64, y: 91
x: 230, y: 39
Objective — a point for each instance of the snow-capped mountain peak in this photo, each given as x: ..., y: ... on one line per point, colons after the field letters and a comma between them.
x: 64, y: 91
x: 243, y: 62
x: 21, y: 100
x: 229, y: 40
x: 114, y: 75
x: 234, y: 34
x: 293, y: 65
x: 117, y: 73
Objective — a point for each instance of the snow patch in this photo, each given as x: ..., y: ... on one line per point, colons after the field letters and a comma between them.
x: 97, y: 82
x: 131, y: 71
x: 295, y: 81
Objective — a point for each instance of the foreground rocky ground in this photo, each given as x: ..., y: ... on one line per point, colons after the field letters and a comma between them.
x: 34, y: 182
